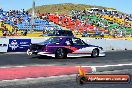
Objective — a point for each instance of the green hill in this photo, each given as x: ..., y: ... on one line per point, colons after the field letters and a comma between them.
x: 63, y: 8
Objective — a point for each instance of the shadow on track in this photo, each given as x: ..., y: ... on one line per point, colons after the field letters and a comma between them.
x: 48, y: 57
x: 41, y: 57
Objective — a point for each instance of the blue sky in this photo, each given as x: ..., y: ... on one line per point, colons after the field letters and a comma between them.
x: 121, y: 5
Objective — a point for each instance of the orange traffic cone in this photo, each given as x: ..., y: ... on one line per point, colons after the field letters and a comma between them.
x: 81, y: 71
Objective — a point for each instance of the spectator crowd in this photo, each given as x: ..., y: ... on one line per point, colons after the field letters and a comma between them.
x: 88, y: 22
x: 93, y: 21
x: 10, y: 19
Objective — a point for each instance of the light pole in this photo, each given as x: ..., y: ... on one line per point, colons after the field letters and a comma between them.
x: 33, y: 15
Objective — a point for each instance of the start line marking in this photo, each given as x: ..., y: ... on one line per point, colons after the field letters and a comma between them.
x: 104, y: 66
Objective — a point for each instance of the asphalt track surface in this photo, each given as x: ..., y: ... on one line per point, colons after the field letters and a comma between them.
x: 120, y: 57
x: 112, y: 58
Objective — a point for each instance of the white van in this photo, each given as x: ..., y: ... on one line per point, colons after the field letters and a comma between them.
x: 92, y: 10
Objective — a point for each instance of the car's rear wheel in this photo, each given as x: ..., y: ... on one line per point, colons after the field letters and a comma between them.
x: 60, y: 53
x: 95, y: 53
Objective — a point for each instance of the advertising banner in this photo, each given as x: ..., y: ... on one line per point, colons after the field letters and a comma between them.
x: 18, y: 45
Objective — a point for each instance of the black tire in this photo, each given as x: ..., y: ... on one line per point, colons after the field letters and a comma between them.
x: 95, y: 53
x: 60, y: 53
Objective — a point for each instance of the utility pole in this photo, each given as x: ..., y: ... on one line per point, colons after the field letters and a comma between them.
x: 33, y: 15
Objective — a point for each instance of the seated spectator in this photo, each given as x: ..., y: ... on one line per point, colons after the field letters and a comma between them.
x: 102, y: 34
x: 4, y: 31
x: 85, y: 34
x: 25, y: 33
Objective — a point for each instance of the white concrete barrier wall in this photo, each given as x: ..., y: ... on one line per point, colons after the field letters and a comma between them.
x: 4, y: 44
x: 107, y: 44
x: 37, y: 40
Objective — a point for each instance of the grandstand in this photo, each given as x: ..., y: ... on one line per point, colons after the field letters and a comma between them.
x: 96, y: 21
x: 38, y: 25
x: 22, y: 21
x: 83, y: 22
